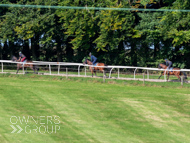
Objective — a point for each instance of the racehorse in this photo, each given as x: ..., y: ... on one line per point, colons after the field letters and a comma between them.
x: 175, y: 71
x: 27, y: 64
x: 94, y: 68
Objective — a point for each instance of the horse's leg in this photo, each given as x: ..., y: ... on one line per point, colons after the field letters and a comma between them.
x: 95, y: 72
x: 18, y: 66
x: 160, y: 76
x: 17, y: 70
x: 184, y: 74
x: 103, y: 70
x: 177, y: 75
x: 91, y: 70
x: 35, y: 68
x: 95, y: 69
x: 168, y: 75
x: 32, y: 67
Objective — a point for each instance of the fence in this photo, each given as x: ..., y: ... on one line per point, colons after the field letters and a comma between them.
x: 78, y: 69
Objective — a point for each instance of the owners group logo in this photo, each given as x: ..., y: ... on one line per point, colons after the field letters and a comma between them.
x: 35, y: 124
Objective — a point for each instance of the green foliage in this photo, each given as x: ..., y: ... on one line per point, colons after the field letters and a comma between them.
x: 156, y: 63
x: 116, y: 37
x: 115, y: 26
x: 176, y: 24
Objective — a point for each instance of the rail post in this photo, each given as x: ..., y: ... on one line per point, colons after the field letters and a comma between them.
x: 49, y: 69
x: 23, y: 68
x: 85, y: 71
x: 118, y: 72
x: 2, y: 67
x: 66, y: 73
x: 147, y: 74
x: 181, y: 80
x: 79, y: 70
x: 135, y: 72
x: 58, y: 68
x: 143, y: 78
x: 110, y: 73
x: 103, y: 76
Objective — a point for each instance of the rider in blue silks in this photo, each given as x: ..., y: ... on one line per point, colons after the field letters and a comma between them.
x: 168, y: 63
x: 93, y: 58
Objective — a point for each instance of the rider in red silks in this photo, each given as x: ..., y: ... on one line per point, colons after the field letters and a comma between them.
x: 22, y: 57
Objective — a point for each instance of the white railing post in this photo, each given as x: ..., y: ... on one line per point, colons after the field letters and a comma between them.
x: 143, y: 78
x: 58, y: 68
x: 103, y: 76
x: 2, y: 67
x: 118, y: 72
x: 49, y: 69
x: 147, y: 74
x: 181, y: 80
x: 135, y: 72
x: 110, y: 73
x: 23, y: 68
x: 79, y: 70
x: 66, y: 73
x: 85, y: 71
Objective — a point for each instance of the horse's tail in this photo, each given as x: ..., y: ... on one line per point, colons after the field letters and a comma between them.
x: 182, y: 72
x: 107, y: 69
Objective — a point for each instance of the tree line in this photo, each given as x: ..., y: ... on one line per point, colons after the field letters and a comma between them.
x: 115, y: 37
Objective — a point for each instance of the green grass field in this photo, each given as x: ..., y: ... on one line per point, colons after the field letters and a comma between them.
x: 54, y: 109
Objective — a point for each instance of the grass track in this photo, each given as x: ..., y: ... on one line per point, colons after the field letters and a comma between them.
x: 91, y: 111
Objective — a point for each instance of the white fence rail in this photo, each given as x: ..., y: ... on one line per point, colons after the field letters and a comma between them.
x: 79, y: 65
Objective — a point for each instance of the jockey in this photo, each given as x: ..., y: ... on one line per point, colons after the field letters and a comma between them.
x: 168, y: 63
x: 22, y: 57
x: 93, y: 58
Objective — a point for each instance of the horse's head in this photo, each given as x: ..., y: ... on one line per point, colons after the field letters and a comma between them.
x: 14, y: 59
x: 160, y: 66
x: 85, y: 61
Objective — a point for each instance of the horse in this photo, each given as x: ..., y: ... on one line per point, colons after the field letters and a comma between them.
x: 27, y: 64
x: 94, y: 68
x: 176, y: 72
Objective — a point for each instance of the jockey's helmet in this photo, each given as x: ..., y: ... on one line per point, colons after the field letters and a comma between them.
x: 90, y: 54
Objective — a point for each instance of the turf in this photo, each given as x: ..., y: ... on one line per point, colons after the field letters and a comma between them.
x: 87, y: 110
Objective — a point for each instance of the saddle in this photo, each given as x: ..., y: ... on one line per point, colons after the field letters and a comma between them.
x: 171, y: 69
x: 95, y: 64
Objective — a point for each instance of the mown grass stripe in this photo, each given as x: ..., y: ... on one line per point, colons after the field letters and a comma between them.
x: 91, y: 111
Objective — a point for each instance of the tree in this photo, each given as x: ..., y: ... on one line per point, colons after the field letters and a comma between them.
x: 177, y: 29
x: 150, y: 35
